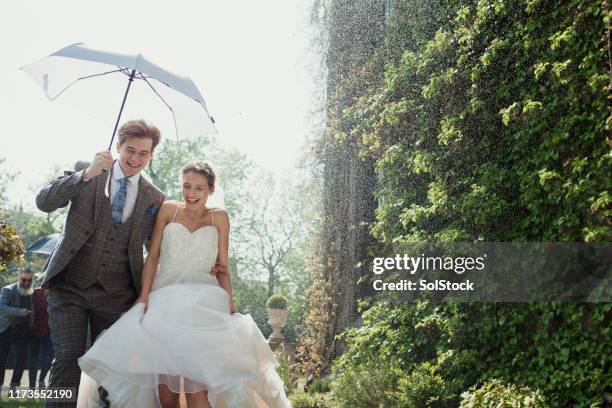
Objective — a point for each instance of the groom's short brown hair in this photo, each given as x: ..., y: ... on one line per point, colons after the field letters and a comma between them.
x: 139, y: 128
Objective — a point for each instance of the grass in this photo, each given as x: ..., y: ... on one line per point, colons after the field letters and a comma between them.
x: 21, y: 404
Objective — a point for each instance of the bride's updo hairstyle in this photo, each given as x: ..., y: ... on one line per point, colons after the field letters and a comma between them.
x: 203, y: 169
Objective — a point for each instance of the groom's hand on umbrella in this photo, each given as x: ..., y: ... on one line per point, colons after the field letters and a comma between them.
x: 102, y: 161
x: 218, y: 269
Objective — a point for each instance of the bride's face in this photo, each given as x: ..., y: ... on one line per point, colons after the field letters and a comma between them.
x: 195, y: 190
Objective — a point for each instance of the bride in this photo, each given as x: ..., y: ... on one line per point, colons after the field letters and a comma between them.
x: 184, y: 323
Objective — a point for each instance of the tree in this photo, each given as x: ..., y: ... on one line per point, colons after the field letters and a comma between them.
x: 274, y: 228
x: 30, y: 227
x: 5, y: 178
x: 11, y: 246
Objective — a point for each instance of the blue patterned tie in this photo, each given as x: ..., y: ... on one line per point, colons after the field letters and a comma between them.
x: 119, y: 201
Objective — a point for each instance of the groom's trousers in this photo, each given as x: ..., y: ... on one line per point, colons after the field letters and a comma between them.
x: 71, y: 312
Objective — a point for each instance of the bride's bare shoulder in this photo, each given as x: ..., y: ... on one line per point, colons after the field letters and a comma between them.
x: 219, y: 215
x: 168, y: 208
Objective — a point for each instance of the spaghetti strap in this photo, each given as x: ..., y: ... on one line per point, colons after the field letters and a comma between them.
x: 212, y: 216
x: 176, y: 212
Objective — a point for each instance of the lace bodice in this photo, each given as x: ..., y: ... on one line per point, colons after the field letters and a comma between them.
x: 187, y: 256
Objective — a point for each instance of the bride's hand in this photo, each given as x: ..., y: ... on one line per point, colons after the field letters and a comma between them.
x: 233, y: 308
x: 143, y: 298
x: 218, y: 269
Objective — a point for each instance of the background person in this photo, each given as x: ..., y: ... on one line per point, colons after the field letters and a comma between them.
x: 16, y: 317
x: 41, y: 348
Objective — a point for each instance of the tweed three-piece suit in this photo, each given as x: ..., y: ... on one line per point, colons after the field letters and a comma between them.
x: 95, y: 270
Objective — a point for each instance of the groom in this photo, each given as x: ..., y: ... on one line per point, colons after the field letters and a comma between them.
x: 95, y: 270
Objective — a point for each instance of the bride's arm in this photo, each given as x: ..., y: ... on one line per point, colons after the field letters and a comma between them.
x: 223, y: 227
x: 150, y: 267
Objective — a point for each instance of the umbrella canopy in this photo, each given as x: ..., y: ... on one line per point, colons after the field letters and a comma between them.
x: 45, y: 245
x: 97, y: 80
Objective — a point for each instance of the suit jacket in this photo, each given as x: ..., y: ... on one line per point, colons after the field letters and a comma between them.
x: 10, y: 309
x: 86, y: 204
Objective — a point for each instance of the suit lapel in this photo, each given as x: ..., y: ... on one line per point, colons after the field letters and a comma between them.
x: 100, y: 194
x: 142, y: 200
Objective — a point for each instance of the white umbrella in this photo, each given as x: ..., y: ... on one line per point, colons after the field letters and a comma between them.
x: 94, y: 79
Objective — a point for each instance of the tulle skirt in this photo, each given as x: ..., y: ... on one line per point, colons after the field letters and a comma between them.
x: 186, y: 331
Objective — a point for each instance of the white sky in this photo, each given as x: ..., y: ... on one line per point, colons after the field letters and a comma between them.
x: 248, y: 58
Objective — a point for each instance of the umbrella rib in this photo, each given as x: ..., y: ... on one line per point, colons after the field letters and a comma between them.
x: 163, y: 100
x: 201, y: 103
x: 85, y: 77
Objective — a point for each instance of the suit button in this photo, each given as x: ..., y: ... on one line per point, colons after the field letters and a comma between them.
x: 103, y: 265
x: 106, y: 251
x: 86, y: 232
x: 112, y: 239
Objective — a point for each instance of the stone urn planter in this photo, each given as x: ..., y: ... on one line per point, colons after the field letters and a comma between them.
x: 276, y: 306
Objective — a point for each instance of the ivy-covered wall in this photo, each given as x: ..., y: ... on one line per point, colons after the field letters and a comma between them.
x: 475, y: 121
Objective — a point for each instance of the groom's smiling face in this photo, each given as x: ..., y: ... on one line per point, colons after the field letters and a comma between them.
x: 134, y: 154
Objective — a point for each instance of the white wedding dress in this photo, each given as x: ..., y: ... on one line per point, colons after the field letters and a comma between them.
x: 186, y: 331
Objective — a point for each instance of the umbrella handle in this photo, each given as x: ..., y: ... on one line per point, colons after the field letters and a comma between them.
x: 107, y: 185
x: 131, y: 78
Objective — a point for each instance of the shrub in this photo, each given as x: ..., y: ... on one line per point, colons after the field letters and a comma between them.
x: 11, y: 247
x: 365, y: 386
x: 303, y: 400
x: 495, y: 394
x: 408, y: 334
x: 284, y: 369
x: 424, y: 387
x: 277, y: 302
x: 319, y: 385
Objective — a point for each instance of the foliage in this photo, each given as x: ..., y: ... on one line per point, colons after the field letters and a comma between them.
x: 25, y: 403
x: 293, y: 286
x: 424, y: 387
x: 275, y: 230
x: 314, y: 345
x: 303, y: 400
x: 30, y: 226
x: 284, y: 369
x: 559, y: 349
x: 5, y: 178
x: 276, y: 301
x: 406, y: 335
x: 495, y: 394
x: 490, y: 121
x: 496, y: 127
x: 319, y: 385
x: 366, y: 386
x: 11, y: 246
x: 250, y: 298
